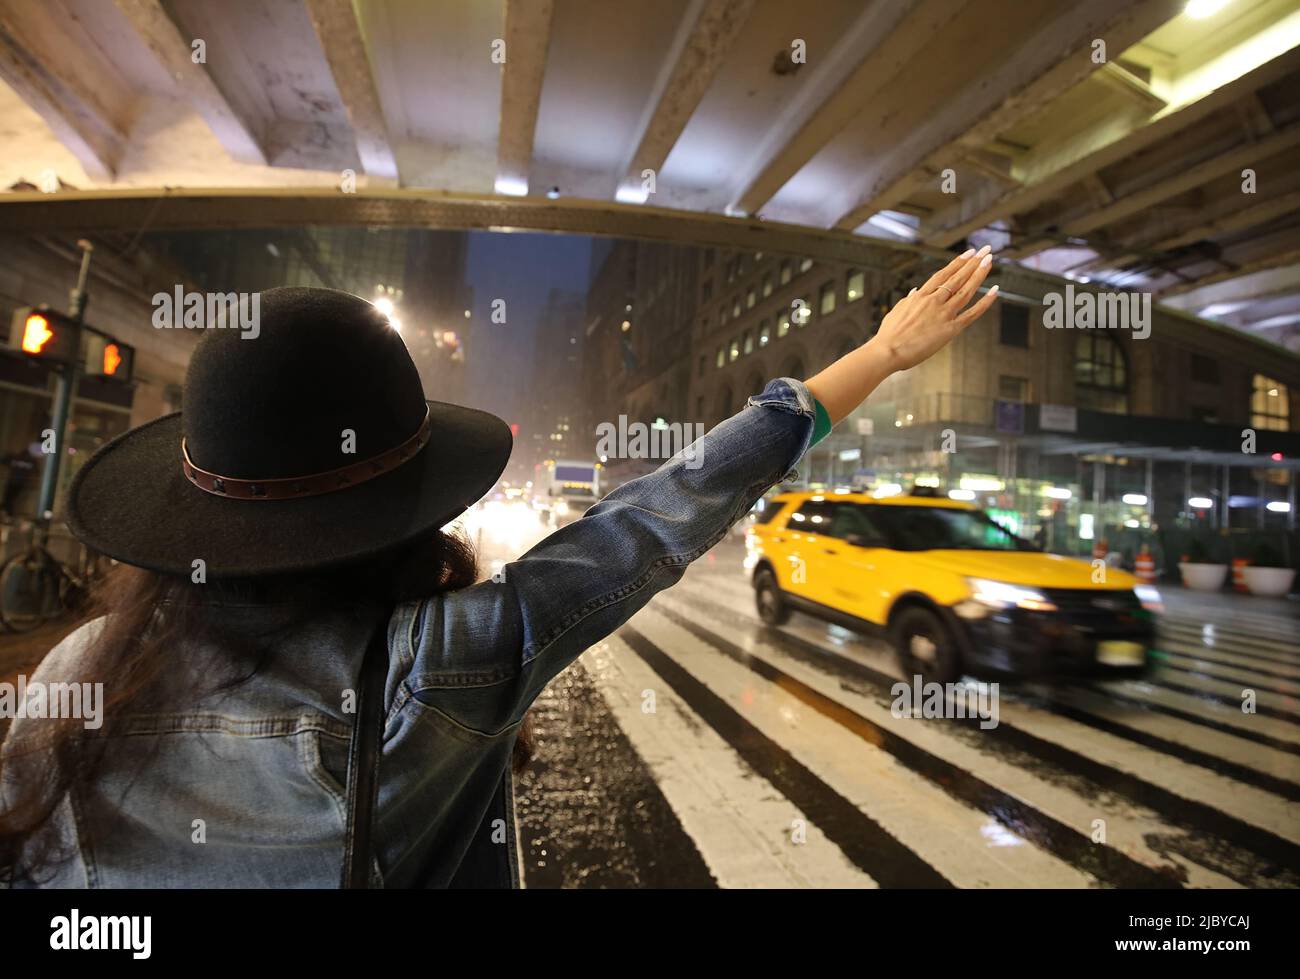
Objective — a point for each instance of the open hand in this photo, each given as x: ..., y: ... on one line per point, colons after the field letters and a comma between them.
x: 928, y: 317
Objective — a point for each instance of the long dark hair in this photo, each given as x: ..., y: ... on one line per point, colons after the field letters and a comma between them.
x: 145, y: 617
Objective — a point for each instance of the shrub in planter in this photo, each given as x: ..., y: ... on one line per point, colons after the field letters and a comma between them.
x: 1267, y: 573
x: 1199, y: 572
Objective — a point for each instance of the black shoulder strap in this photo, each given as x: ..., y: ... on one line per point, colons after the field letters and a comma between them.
x: 363, y: 761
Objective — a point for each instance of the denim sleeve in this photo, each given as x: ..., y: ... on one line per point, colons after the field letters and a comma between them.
x: 483, y: 654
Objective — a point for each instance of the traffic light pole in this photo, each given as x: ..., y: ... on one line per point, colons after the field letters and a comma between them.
x: 63, y: 391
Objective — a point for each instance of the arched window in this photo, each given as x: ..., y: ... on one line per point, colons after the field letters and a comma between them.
x: 1100, y: 373
x: 723, y: 404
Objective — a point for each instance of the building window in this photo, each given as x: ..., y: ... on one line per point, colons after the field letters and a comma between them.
x: 699, y: 407
x: 706, y: 292
x: 805, y: 264
x: 704, y: 362
x: 802, y: 313
x: 1205, y: 370
x: 1013, y: 388
x: 722, y: 316
x: 1270, y: 405
x: 708, y: 257
x: 735, y: 349
x: 749, y: 342
x: 764, y: 333
x: 1013, y: 329
x: 782, y: 325
x: 1201, y: 413
x: 751, y: 297
x: 767, y: 284
x: 857, y: 283
x: 722, y: 356
x: 1100, y: 373
x: 735, y: 306
x: 785, y: 271
x: 826, y: 300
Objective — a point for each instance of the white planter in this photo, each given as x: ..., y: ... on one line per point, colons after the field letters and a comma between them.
x: 1268, y: 581
x: 1203, y: 577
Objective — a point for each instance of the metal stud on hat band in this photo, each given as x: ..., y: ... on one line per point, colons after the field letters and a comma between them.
x: 296, y: 487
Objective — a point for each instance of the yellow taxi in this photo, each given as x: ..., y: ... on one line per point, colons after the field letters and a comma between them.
x: 952, y: 589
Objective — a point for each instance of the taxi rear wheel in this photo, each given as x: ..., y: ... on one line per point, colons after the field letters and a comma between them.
x: 772, y: 608
x: 925, y: 647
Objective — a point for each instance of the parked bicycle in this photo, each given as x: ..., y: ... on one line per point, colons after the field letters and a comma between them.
x: 35, y: 586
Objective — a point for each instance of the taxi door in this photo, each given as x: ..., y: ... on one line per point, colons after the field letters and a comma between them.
x: 806, y: 569
x: 865, y: 575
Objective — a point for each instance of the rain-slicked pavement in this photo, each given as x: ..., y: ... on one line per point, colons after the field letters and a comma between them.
x: 697, y: 747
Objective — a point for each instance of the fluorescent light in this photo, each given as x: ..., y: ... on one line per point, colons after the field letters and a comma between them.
x: 961, y: 494
x: 887, y: 489
x: 1278, y: 506
x: 631, y: 194
x: 1200, y: 9
x: 1200, y: 502
x: 1057, y: 492
x: 1135, y: 499
x: 980, y: 485
x: 512, y: 186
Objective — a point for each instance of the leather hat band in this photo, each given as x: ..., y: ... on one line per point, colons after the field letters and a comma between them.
x: 296, y: 487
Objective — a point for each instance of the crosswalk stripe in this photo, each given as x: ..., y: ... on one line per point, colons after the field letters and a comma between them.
x: 853, y: 761
x: 950, y: 793
x: 864, y: 841
x: 1048, y: 813
x: 1252, y: 819
x: 736, y: 821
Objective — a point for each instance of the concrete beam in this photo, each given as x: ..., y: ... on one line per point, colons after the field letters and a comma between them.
x: 66, y: 88
x: 700, y: 49
x: 881, y: 42
x: 1052, y: 170
x: 339, y: 33
x: 1050, y: 62
x: 238, y: 131
x: 527, y: 37
x: 1222, y: 218
x: 1259, y: 285
x: 1179, y: 183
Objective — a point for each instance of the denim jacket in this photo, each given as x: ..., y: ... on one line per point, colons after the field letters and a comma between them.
x: 247, y: 789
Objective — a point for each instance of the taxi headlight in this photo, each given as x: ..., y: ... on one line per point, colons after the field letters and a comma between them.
x: 1150, y: 598
x: 1001, y: 595
x: 561, y: 508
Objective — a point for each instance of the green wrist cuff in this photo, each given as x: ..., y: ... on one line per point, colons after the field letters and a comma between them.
x: 821, y: 425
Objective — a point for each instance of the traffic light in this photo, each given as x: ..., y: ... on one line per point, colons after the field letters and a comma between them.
x: 45, y: 334
x: 106, y: 357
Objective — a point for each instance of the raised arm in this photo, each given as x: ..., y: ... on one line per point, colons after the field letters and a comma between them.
x: 587, y: 579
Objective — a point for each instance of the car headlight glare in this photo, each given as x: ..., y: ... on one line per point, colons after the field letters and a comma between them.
x: 1150, y: 598
x: 1001, y: 595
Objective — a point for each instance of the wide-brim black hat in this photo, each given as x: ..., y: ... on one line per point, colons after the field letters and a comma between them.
x: 305, y: 442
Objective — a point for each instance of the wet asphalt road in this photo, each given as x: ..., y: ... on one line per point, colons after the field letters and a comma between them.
x: 771, y: 758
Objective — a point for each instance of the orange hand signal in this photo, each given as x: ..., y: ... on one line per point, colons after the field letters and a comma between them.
x: 36, y: 333
x: 112, y: 359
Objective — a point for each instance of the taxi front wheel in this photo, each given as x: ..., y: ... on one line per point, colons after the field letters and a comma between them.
x: 925, y: 647
x: 772, y: 608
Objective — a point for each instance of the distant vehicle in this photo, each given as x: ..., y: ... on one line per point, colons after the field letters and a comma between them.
x: 951, y: 589
x: 570, y: 488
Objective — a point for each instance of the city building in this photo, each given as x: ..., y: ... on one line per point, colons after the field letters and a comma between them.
x: 1073, y: 436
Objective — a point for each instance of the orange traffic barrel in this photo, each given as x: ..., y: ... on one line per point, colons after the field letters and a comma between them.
x: 1239, y: 565
x: 1144, y: 567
